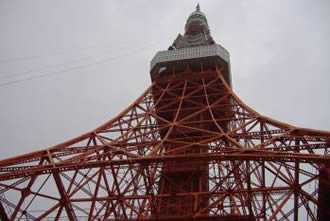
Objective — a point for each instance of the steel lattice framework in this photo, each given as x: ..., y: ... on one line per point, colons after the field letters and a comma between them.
x: 187, y: 149
x: 259, y: 165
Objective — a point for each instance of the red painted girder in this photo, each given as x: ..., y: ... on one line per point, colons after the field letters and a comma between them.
x: 252, y: 155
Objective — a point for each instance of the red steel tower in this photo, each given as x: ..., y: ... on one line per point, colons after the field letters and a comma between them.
x: 187, y: 149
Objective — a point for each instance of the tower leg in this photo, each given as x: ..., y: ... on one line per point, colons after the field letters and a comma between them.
x: 3, y: 214
x: 324, y: 194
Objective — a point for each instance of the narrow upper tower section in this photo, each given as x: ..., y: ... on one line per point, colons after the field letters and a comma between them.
x: 195, y: 51
x: 197, y: 32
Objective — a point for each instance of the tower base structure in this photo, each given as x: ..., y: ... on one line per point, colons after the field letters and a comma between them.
x: 324, y: 194
x: 207, y: 218
x: 258, y: 168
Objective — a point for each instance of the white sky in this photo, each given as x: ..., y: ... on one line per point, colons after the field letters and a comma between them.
x: 93, y: 60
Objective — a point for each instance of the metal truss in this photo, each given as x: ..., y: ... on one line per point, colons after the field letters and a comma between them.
x: 255, y: 166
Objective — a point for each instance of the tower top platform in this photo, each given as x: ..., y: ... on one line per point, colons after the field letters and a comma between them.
x: 189, y: 53
x: 194, y: 49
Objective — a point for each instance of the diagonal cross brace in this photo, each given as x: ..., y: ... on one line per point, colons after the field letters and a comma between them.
x: 64, y: 196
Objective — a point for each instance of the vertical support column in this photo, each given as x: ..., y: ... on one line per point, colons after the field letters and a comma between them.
x: 296, y: 184
x: 263, y: 174
x: 248, y: 180
x: 3, y: 215
x: 323, y: 210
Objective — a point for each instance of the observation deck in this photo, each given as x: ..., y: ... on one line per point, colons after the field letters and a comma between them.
x: 177, y: 60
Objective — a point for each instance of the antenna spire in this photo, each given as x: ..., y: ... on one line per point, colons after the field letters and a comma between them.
x: 198, y: 8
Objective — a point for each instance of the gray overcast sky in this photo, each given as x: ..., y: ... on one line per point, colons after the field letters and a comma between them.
x: 93, y: 60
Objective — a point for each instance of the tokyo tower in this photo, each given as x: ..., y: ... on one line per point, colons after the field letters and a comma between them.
x: 187, y: 149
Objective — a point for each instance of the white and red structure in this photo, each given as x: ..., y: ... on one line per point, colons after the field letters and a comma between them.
x: 187, y: 149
